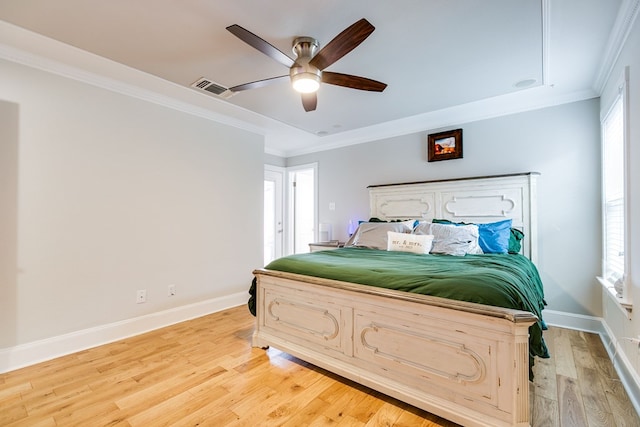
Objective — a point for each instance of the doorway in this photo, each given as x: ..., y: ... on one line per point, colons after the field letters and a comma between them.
x: 289, y: 230
x: 302, y: 192
x: 273, y: 213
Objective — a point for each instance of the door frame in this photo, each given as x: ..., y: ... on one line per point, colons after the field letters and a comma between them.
x: 290, y: 218
x: 277, y: 174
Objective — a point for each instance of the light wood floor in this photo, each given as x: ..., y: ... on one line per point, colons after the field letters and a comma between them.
x: 204, y: 372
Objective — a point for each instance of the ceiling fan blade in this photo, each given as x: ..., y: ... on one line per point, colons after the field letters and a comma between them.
x: 256, y: 42
x: 258, y: 84
x: 353, y: 82
x: 342, y: 44
x: 309, y: 101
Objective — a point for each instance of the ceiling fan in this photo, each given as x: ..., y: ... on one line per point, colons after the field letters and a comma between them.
x: 307, y: 70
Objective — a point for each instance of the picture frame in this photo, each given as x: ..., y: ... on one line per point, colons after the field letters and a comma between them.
x: 445, y: 145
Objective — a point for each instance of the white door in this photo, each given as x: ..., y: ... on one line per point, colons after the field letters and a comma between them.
x: 273, y: 213
x: 302, y: 207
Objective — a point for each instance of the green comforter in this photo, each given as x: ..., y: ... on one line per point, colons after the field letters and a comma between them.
x: 501, y: 280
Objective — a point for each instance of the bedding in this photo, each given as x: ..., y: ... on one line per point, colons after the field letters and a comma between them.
x: 501, y: 280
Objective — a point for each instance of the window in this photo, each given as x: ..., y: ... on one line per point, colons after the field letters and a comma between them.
x: 614, y: 179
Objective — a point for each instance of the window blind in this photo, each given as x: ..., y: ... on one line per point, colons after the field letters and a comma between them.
x: 613, y: 189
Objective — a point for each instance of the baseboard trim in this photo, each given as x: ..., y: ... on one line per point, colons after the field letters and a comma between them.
x: 19, y: 356
x: 579, y: 322
x: 624, y: 368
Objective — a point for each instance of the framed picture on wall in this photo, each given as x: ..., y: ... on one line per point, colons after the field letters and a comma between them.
x: 444, y: 145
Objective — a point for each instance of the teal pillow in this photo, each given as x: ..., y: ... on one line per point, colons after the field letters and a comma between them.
x: 515, y: 241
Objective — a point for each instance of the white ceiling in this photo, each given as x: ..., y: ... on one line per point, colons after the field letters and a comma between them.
x: 437, y: 56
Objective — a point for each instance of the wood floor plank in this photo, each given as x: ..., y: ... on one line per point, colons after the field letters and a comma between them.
x: 312, y: 411
x: 204, y: 416
x: 12, y: 410
x: 169, y: 411
x: 596, y: 347
x: 300, y: 398
x: 583, y: 358
x: 621, y: 407
x: 544, y: 380
x: 545, y: 412
x: 349, y: 421
x: 205, y: 371
x: 386, y: 416
x: 211, y: 410
x: 340, y: 407
x: 594, y: 397
x: 367, y: 408
x: 84, y: 414
x: 571, y: 408
x: 577, y: 338
x: 563, y: 354
x: 11, y: 391
x: 409, y: 419
x: 35, y: 422
x: 60, y: 403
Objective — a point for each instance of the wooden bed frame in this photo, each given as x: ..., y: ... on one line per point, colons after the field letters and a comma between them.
x: 465, y: 362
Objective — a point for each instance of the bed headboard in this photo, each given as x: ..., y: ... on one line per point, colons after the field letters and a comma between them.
x: 482, y: 199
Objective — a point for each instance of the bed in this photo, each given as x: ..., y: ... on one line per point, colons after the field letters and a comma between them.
x: 462, y: 360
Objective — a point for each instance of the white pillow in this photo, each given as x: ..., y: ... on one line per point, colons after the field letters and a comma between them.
x: 415, y: 243
x: 373, y: 235
x: 451, y: 239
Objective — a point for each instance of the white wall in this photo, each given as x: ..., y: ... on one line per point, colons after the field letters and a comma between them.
x: 562, y: 143
x: 8, y: 219
x: 109, y: 194
x: 616, y: 320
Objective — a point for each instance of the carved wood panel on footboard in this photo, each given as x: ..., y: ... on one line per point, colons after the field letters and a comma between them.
x: 462, y: 361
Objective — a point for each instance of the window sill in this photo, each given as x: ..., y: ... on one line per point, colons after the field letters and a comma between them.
x: 624, y: 305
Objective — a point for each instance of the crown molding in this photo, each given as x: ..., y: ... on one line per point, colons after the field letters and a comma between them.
x: 34, y: 61
x: 27, y: 48
x: 513, y: 103
x: 627, y: 15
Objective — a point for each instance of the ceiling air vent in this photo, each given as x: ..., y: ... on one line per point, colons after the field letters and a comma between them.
x: 212, y: 87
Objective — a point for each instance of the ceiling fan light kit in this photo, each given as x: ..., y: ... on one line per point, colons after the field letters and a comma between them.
x: 306, y: 82
x: 305, y: 78
x: 306, y: 71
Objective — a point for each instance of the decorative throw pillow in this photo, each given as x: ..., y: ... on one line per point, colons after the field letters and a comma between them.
x: 415, y: 243
x: 373, y: 235
x: 494, y: 237
x: 451, y: 239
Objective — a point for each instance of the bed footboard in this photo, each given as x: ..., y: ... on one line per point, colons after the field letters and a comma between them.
x: 461, y: 361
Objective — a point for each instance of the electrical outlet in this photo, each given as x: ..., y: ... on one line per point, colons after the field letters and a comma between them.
x: 141, y: 296
x: 172, y: 290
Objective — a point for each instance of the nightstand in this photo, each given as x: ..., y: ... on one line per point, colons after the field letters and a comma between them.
x: 325, y: 246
